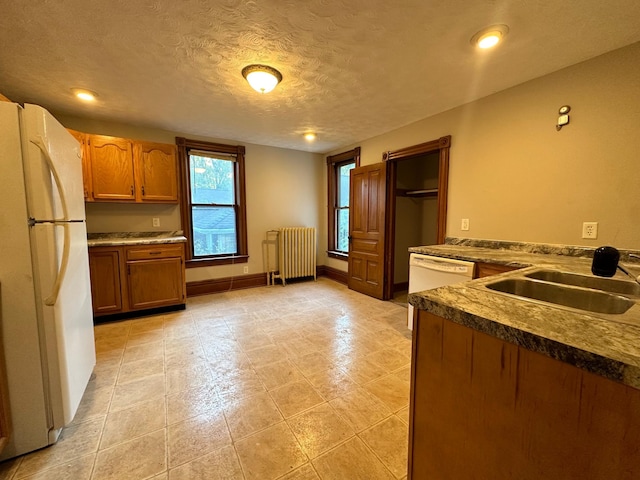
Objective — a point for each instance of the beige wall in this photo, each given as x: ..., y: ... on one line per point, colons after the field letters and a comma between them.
x: 516, y: 178
x: 283, y: 189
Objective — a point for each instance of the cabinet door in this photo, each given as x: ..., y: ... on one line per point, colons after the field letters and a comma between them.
x: 157, y: 172
x: 106, y: 287
x: 112, y: 171
x: 86, y: 163
x: 488, y: 269
x: 155, y: 283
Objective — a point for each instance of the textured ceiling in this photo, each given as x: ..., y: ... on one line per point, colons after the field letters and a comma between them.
x: 352, y: 69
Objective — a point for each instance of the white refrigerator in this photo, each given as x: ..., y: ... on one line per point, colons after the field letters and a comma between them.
x: 45, y: 294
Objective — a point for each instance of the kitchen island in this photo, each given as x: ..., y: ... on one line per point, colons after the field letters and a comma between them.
x: 507, y: 388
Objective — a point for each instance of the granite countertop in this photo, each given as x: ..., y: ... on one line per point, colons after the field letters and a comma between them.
x: 598, y: 343
x: 134, y: 238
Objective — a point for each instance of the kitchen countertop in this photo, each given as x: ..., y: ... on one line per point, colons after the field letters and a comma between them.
x: 593, y: 342
x: 134, y: 238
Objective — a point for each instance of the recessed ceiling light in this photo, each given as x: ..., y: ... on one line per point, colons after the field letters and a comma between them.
x: 490, y: 36
x: 310, y: 136
x: 262, y: 78
x: 85, y: 95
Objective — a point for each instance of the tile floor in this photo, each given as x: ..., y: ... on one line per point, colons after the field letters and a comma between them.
x: 307, y: 381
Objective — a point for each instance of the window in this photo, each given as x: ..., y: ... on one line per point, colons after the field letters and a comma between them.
x: 338, y: 170
x: 213, y: 202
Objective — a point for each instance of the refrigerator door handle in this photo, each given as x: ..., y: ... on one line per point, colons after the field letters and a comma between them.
x: 53, y: 297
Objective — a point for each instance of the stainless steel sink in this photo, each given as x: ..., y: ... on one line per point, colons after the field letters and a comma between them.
x: 564, y: 295
x: 586, y: 281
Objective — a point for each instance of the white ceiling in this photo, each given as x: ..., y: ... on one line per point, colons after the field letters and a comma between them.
x: 352, y: 69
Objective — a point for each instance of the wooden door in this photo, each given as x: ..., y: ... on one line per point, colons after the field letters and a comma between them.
x: 86, y: 164
x: 112, y: 173
x: 157, y: 171
x: 106, y: 285
x: 367, y: 199
x: 155, y: 283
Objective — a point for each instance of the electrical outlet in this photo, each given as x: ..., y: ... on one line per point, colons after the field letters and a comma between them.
x: 590, y: 230
x: 246, y: 270
x: 156, y: 222
x: 465, y: 224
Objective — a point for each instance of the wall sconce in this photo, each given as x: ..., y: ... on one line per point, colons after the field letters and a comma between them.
x: 262, y: 78
x: 563, y: 119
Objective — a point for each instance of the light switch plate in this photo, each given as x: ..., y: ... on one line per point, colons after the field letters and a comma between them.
x: 156, y: 222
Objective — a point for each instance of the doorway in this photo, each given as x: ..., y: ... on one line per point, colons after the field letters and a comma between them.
x: 417, y: 182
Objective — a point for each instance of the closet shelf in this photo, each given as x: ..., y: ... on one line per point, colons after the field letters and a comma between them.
x: 431, y: 192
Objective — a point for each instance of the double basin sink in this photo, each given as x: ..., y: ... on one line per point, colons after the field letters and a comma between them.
x: 571, y: 290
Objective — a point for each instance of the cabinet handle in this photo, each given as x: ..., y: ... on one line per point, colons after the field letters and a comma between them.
x: 143, y: 190
x: 132, y: 190
x: 155, y: 253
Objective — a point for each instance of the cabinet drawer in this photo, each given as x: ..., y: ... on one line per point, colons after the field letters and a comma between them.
x: 154, y: 251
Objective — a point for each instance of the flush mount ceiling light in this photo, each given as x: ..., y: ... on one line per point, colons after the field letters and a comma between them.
x: 262, y: 78
x: 84, y: 95
x: 310, y: 136
x: 490, y: 36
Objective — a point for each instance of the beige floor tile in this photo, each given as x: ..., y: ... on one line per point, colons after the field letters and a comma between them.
x: 296, y: 397
x: 104, y: 376
x: 95, y: 402
x: 389, y: 440
x: 305, y: 472
x: 264, y: 355
x: 247, y: 415
x: 78, y: 469
x: 184, y: 357
x: 393, y: 391
x: 239, y: 385
x: 311, y: 363
x: 75, y: 441
x: 319, y: 429
x: 403, y: 414
x: 132, y: 371
x: 351, y: 460
x: 191, y: 403
x: 146, y: 324
x: 277, y: 374
x: 197, y: 436
x: 220, y: 464
x: 139, y: 458
x: 185, y: 378
x: 332, y: 383
x: 183, y: 344
x: 151, y: 336
x: 146, y: 351
x: 360, y: 409
x: 142, y: 418
x: 390, y: 359
x: 8, y: 468
x: 298, y: 346
x: 252, y: 340
x: 362, y: 369
x: 112, y: 330
x: 137, y: 391
x: 270, y: 453
x: 106, y: 344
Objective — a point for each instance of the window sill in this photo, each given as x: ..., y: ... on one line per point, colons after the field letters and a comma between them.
x: 338, y: 255
x: 211, y: 262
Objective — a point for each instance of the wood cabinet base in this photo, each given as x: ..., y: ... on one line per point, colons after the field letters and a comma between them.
x: 137, y: 278
x: 483, y: 408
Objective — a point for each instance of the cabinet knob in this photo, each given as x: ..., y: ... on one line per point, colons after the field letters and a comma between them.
x: 131, y: 190
x: 143, y: 190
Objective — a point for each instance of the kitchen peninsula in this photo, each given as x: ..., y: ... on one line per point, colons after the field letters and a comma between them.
x: 505, y: 387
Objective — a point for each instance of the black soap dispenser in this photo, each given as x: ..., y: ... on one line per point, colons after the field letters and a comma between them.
x: 605, y: 261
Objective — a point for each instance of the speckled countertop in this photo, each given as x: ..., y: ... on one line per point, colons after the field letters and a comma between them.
x: 134, y: 238
x: 599, y: 343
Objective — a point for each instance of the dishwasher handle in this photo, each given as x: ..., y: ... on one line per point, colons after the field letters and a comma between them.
x: 443, y: 265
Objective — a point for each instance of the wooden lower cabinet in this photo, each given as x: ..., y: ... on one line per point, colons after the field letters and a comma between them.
x: 483, y: 269
x: 482, y: 408
x: 132, y: 278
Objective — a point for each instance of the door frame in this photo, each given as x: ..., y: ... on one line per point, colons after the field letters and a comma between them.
x: 440, y: 145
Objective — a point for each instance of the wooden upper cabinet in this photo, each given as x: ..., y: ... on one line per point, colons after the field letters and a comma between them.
x: 112, y: 168
x: 86, y: 164
x: 157, y: 172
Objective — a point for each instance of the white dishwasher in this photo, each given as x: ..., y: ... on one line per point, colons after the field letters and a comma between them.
x: 427, y: 272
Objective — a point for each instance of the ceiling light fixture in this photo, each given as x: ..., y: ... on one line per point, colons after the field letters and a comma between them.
x: 262, y: 78
x: 309, y: 136
x: 490, y: 36
x: 85, y: 95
